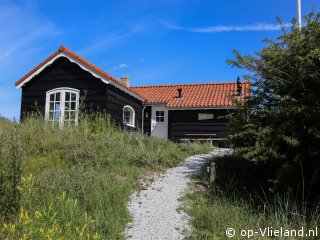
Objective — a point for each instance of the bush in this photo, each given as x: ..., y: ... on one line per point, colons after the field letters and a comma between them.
x: 240, y: 199
x: 279, y: 124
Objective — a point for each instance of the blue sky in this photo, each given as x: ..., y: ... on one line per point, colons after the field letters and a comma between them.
x: 151, y: 41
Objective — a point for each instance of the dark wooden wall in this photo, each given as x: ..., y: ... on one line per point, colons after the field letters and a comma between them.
x: 182, y: 122
x: 117, y: 99
x: 97, y: 95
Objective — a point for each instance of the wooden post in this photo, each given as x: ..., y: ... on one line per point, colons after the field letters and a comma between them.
x: 212, y: 173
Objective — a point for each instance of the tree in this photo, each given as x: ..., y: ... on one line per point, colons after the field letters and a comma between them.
x: 280, y: 122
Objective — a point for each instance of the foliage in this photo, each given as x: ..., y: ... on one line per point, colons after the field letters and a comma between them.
x: 10, y: 167
x: 61, y: 219
x: 279, y: 124
x: 235, y: 202
x: 96, y: 164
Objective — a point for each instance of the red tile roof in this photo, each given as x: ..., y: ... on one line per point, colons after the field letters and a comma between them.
x: 194, y: 95
x: 79, y: 59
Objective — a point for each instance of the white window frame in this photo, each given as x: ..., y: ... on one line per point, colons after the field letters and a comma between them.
x: 132, y: 116
x: 205, y: 116
x: 62, y: 92
x: 160, y: 116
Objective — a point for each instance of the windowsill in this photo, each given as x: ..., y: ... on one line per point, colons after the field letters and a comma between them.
x: 129, y: 125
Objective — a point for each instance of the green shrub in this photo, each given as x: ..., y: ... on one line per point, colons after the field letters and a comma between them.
x: 240, y: 199
x: 279, y: 124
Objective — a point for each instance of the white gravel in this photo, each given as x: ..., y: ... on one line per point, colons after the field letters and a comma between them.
x: 154, y: 209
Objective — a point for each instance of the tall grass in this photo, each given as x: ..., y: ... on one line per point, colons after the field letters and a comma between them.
x: 241, y: 200
x: 96, y: 164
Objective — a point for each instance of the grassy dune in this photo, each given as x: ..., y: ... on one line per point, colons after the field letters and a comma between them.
x: 76, y: 181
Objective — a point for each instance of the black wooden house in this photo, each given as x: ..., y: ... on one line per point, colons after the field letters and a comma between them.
x: 185, y: 111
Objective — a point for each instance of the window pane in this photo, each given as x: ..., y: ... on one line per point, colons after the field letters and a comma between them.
x: 66, y: 115
x: 67, y: 106
x: 56, y: 114
x: 73, y: 106
x: 73, y: 97
x: 160, y: 119
x: 51, y: 106
x: 72, y: 115
x: 67, y: 96
x: 159, y: 113
x: 52, y: 97
x: 57, y: 107
x: 57, y: 97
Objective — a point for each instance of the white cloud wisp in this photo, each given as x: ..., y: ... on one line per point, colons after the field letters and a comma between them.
x: 226, y: 28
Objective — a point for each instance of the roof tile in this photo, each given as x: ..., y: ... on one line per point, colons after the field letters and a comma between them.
x: 194, y: 95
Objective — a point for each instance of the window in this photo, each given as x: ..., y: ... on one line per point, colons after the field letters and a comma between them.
x: 205, y: 116
x: 160, y: 116
x: 62, y: 105
x: 128, y: 116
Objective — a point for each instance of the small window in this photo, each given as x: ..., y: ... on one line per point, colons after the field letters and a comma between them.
x: 160, y: 116
x: 62, y: 105
x: 128, y: 116
x: 205, y: 116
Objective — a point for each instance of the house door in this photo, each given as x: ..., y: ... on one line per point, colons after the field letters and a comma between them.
x: 159, y: 122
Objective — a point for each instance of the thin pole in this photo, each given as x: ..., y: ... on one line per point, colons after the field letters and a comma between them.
x: 299, y: 14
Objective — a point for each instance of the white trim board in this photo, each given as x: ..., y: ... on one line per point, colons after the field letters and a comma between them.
x: 103, y: 79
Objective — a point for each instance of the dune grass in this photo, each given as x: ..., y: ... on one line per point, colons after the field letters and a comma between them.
x: 240, y: 200
x: 93, y: 168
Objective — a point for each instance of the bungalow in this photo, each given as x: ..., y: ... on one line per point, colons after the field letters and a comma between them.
x: 63, y: 80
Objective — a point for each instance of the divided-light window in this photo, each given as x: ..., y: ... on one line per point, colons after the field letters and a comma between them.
x: 160, y: 116
x: 62, y: 106
x: 128, y: 116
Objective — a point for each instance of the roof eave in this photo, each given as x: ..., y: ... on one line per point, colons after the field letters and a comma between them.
x: 201, y: 107
x: 59, y: 55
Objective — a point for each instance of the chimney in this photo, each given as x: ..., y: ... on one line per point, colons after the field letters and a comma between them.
x: 125, y: 80
x: 239, y: 87
x: 180, y: 93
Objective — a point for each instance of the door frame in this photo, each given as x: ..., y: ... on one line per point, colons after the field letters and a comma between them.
x: 155, y: 108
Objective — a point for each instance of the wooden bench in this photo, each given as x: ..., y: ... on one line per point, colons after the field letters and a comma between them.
x: 202, y: 137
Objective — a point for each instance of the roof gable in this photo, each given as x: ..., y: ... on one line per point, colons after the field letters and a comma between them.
x: 84, y: 64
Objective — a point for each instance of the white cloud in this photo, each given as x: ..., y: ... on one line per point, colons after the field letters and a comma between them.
x: 23, y: 31
x: 226, y: 28
x: 24, y: 34
x: 106, y: 41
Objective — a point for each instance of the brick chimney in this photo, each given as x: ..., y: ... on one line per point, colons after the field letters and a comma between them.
x: 125, y: 80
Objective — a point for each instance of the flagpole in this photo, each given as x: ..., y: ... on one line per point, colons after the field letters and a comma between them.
x: 299, y: 14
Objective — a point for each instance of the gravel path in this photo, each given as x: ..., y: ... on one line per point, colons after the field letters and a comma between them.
x: 154, y: 208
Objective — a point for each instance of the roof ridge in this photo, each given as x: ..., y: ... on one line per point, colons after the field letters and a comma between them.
x: 187, y: 84
x: 70, y: 53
